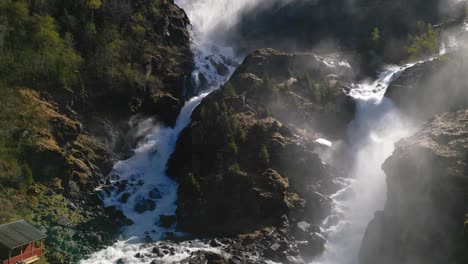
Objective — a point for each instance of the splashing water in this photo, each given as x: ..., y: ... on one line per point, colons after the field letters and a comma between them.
x: 146, y: 181
x: 373, y: 132
x: 141, y: 189
x: 374, y: 92
x: 147, y: 184
x: 378, y: 124
x: 213, y: 17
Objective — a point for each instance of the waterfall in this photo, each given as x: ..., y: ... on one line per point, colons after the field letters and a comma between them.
x: 141, y: 189
x: 146, y: 184
x: 376, y: 127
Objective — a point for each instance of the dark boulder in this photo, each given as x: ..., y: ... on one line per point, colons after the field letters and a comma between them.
x: 118, y: 216
x: 167, y: 221
x: 202, y: 257
x: 164, y: 106
x: 314, y: 245
x: 144, y: 205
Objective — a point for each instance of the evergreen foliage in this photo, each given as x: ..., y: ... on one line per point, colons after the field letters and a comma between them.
x: 425, y: 44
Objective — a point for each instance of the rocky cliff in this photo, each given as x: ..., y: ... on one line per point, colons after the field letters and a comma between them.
x: 424, y: 216
x: 244, y: 162
x: 432, y: 87
x: 347, y: 25
x: 64, y: 120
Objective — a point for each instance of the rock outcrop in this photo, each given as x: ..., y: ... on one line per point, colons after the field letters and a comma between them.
x: 424, y: 216
x: 243, y: 162
x: 311, y: 90
x: 432, y: 87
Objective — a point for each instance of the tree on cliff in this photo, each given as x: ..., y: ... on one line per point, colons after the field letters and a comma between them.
x: 425, y: 44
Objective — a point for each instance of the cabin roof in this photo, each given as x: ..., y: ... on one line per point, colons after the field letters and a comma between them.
x: 18, y: 234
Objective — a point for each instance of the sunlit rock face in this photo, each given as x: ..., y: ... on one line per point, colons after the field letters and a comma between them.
x: 426, y: 202
x: 244, y: 160
x: 432, y: 87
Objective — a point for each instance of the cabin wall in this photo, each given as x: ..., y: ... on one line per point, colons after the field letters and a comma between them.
x: 28, y: 251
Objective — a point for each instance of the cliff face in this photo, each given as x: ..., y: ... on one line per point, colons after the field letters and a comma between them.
x: 432, y: 87
x: 91, y: 65
x: 244, y: 160
x: 348, y: 25
x: 424, y: 216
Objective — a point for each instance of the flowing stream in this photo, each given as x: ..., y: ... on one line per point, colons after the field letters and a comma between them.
x: 140, y: 188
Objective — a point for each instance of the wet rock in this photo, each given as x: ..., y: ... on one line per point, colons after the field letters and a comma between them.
x: 202, y: 257
x: 158, y: 252
x: 215, y: 243
x: 122, y: 187
x: 164, y: 105
x: 124, y: 198
x: 314, y: 246
x: 221, y: 69
x: 167, y: 221
x: 144, y: 205
x: 122, y: 261
x: 155, y: 194
x: 118, y: 216
x: 301, y: 230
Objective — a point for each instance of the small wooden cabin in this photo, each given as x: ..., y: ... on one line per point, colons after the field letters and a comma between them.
x: 21, y: 243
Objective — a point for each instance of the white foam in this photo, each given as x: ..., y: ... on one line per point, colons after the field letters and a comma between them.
x: 377, y: 126
x: 324, y: 142
x: 145, y: 171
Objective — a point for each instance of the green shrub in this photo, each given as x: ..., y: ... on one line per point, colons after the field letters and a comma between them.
x: 233, y: 148
x: 425, y: 44
x: 269, y: 89
x: 376, y: 34
x: 193, y: 183
x: 264, y: 156
x: 234, y: 169
x: 93, y: 4
x: 228, y: 90
x: 313, y: 88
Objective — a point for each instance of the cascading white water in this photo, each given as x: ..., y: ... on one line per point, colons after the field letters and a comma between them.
x: 372, y: 134
x: 376, y: 127
x: 142, y: 190
x: 146, y: 180
x: 378, y: 124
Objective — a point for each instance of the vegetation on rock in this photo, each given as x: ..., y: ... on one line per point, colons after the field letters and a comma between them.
x: 425, y: 44
x: 71, y: 72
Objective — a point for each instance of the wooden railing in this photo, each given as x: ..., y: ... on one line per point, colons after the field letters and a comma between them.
x: 24, y: 256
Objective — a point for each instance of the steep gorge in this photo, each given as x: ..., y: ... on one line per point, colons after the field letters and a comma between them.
x: 275, y: 158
